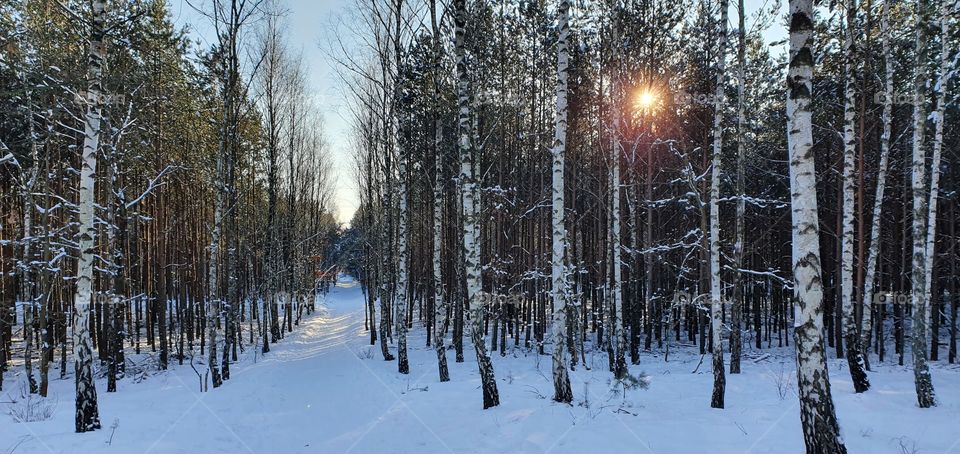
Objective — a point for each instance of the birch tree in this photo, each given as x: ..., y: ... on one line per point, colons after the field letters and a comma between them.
x: 821, y: 432
x: 403, y: 364
x: 439, y: 302
x: 854, y: 358
x: 920, y: 296
x: 887, y: 125
x: 619, y: 362
x: 736, y: 306
x: 87, y: 414
x: 25, y: 284
x: 491, y: 397
x: 561, y: 380
x: 946, y: 71
x: 716, y: 299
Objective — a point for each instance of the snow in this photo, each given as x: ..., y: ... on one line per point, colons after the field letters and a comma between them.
x: 325, y: 389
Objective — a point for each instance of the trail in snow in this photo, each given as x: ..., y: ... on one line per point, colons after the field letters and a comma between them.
x: 325, y: 389
x: 311, y: 393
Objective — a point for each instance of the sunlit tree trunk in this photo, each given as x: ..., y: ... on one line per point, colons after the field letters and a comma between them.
x: 821, y: 432
x: 716, y: 299
x: 87, y: 415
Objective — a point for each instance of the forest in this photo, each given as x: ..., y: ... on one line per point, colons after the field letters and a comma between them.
x: 626, y: 190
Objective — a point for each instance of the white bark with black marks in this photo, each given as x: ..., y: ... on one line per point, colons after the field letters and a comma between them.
x: 491, y: 397
x: 716, y: 299
x: 821, y: 432
x: 855, y: 361
x: 560, y: 290
x: 920, y: 293
x: 874, y: 251
x: 87, y: 414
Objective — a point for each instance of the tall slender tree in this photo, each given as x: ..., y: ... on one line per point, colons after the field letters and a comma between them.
x: 716, y: 298
x: 559, y: 289
x: 854, y: 358
x: 821, y: 432
x: 87, y: 415
x: 491, y: 396
x: 886, y: 119
x: 920, y: 294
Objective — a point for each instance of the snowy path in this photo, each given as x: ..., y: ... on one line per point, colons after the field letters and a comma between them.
x: 311, y: 393
x: 325, y: 389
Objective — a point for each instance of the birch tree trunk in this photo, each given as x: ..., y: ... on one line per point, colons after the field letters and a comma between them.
x: 115, y: 356
x: 87, y: 414
x: 491, y: 397
x: 561, y: 380
x: 821, y: 432
x: 736, y: 306
x: 716, y: 299
x: 854, y: 358
x: 213, y: 277
x: 616, y: 290
x: 231, y: 19
x: 403, y: 364
x: 25, y: 284
x: 439, y: 303
x: 920, y: 292
x: 944, y: 79
x: 887, y: 120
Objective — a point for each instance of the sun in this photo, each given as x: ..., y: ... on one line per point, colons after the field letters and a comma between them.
x: 646, y: 100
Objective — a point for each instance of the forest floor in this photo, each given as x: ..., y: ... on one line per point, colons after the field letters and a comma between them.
x: 325, y: 389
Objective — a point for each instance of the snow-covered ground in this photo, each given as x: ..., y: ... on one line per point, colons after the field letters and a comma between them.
x: 325, y: 389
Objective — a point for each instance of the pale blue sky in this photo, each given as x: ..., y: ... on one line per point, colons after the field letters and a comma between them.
x: 310, y: 22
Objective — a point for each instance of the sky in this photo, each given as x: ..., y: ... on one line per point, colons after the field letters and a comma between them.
x: 310, y: 23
